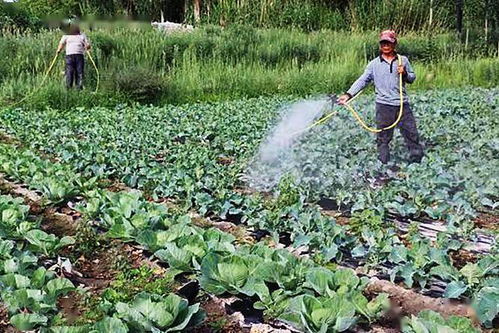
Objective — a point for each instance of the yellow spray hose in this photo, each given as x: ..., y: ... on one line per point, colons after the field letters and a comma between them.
x: 96, y: 71
x: 377, y: 130
x: 51, y: 66
x: 318, y: 122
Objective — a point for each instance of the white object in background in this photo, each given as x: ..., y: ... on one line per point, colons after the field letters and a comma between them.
x: 171, y: 26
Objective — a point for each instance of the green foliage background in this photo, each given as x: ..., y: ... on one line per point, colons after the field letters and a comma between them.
x: 309, y: 15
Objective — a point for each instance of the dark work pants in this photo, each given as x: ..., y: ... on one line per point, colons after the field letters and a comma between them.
x: 387, y: 115
x: 75, y: 65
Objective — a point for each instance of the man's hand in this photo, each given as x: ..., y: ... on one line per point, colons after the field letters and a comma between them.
x: 343, y: 99
x: 401, y: 69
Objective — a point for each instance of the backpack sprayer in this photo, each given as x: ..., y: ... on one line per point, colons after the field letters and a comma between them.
x: 334, y: 101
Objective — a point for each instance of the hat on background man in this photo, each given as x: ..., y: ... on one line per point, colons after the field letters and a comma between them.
x: 388, y: 36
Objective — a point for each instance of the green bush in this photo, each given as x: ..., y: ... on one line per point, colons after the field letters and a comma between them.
x: 105, y: 44
x: 139, y: 84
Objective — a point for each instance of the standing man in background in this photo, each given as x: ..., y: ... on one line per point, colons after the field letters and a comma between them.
x: 384, y: 71
x: 76, y: 43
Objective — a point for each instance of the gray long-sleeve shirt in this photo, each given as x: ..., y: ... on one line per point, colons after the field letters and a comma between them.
x: 386, y: 80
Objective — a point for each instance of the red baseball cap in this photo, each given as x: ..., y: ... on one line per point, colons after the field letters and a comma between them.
x: 388, y: 35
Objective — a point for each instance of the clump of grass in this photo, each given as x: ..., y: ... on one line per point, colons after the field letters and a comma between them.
x: 139, y: 84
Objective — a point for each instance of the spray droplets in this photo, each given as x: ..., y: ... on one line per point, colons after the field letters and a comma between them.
x: 276, y: 153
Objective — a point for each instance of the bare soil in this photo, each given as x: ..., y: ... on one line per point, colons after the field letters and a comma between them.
x: 225, y: 160
x: 70, y: 306
x: 60, y: 224
x: 7, y: 139
x: 5, y: 326
x: 116, y: 186
x: 217, y: 319
x: 408, y: 302
x: 461, y: 257
x: 487, y: 221
x: 99, y: 270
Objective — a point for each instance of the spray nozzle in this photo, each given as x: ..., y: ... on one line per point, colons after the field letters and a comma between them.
x: 333, y: 98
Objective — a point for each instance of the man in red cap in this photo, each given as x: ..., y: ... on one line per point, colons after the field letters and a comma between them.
x: 385, y: 74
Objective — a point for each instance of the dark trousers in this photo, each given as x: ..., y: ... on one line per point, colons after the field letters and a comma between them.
x: 75, y: 65
x: 387, y: 115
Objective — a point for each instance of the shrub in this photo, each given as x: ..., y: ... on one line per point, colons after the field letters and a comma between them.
x: 139, y: 84
x: 105, y: 44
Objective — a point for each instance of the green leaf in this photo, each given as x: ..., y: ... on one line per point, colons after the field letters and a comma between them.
x: 472, y: 273
x: 398, y: 254
x: 432, y: 322
x: 156, y: 313
x: 455, y: 289
x: 39, y: 277
x: 22, y: 281
x: 153, y: 311
x: 110, y: 324
x: 59, y: 286
x: 486, y: 305
x: 65, y: 241
x: 176, y: 257
x: 321, y: 280
x: 28, y: 321
x: 70, y: 329
x: 193, y: 317
x: 346, y: 278
x: 344, y: 323
x: 6, y: 247
x: 233, y: 271
x: 10, y: 266
x: 41, y: 240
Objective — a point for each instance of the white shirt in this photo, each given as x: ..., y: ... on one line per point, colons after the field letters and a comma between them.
x: 75, y: 44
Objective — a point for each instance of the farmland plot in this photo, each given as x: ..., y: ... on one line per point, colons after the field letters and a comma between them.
x: 198, y: 156
x: 222, y: 266
x: 197, y: 153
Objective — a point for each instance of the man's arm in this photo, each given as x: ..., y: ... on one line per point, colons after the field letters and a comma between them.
x: 62, y: 43
x: 409, y: 75
x: 358, y: 85
x: 87, y: 42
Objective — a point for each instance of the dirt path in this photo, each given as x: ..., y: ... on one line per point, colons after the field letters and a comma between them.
x: 408, y: 302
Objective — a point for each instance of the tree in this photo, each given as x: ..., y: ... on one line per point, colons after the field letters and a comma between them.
x: 197, y: 11
x: 459, y: 16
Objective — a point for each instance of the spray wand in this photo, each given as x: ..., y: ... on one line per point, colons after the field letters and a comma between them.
x: 332, y: 98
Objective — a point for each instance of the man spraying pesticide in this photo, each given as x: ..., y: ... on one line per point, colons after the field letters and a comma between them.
x: 76, y: 44
x: 392, y: 103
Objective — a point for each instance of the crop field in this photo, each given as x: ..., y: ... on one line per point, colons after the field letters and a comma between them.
x: 164, y: 218
x: 206, y: 178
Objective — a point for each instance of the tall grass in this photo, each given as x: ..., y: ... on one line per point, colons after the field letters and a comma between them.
x: 214, y: 63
